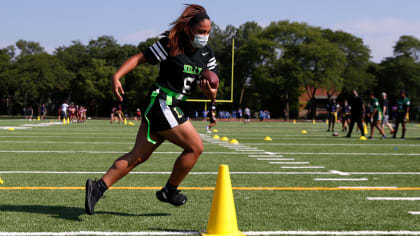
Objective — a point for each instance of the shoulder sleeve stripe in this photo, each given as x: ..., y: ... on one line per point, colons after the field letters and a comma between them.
x: 159, y: 51
x: 162, y: 48
x: 212, y: 62
x: 155, y: 53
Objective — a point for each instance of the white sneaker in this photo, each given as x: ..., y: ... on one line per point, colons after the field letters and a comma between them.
x: 208, y: 130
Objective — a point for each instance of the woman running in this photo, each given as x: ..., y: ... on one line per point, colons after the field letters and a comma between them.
x: 183, y: 54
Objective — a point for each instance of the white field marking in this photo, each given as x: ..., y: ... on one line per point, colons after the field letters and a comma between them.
x: 13, y: 127
x: 270, y: 153
x: 113, y: 152
x: 385, y: 187
x: 69, y: 137
x: 163, y: 172
x: 366, y: 232
x: 335, y: 179
x: 394, y: 198
x: 248, y: 150
x: 103, y: 233
x: 302, y: 167
x: 351, y: 154
x: 289, y: 163
x: 333, y: 144
x: 384, y: 173
x: 275, y: 159
x: 339, y: 172
x: 41, y: 124
x: 414, y: 212
x: 265, y: 155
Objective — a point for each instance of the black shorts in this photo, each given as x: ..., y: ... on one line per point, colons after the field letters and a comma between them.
x: 163, y: 117
x: 401, y: 117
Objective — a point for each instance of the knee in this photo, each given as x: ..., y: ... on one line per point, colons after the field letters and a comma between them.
x: 196, y: 149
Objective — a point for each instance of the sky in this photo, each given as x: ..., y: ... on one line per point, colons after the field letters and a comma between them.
x: 55, y: 23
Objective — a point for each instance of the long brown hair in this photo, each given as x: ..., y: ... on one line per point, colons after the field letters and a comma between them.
x: 180, y: 32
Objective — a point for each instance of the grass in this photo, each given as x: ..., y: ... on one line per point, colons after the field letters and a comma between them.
x: 92, y: 147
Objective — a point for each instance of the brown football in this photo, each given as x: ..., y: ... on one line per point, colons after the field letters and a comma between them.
x: 211, y: 77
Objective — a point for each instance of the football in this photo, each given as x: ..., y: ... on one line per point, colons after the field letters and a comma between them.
x: 335, y: 134
x: 211, y: 77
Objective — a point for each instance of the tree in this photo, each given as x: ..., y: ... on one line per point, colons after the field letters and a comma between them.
x: 408, y: 46
x: 28, y: 48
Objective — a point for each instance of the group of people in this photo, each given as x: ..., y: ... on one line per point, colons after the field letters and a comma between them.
x: 117, y: 114
x: 376, y: 113
x: 29, y: 112
x: 72, y: 112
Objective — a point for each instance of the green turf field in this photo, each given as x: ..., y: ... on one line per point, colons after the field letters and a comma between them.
x: 309, y: 180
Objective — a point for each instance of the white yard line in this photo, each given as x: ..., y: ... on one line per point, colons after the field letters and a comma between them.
x: 302, y: 167
x: 338, y: 179
x: 394, y: 198
x: 414, y: 212
x: 275, y: 159
x: 339, y: 172
x: 265, y: 155
x: 289, y: 163
x: 103, y: 233
x: 164, y: 172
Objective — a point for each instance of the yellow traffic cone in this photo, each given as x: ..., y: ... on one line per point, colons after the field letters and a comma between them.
x: 68, y: 120
x: 222, y: 220
x: 365, y: 130
x: 215, y: 131
x: 326, y: 122
x: 11, y: 129
x: 304, y: 131
x: 125, y: 121
x: 224, y: 139
x: 130, y: 123
x: 267, y: 138
x: 64, y: 121
x: 294, y: 121
x: 216, y: 137
x: 313, y: 122
x: 1, y: 181
x: 39, y: 118
x: 234, y: 141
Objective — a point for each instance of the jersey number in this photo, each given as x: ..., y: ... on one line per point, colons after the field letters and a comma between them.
x: 187, y: 85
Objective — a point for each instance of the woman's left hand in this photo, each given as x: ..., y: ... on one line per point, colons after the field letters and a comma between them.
x: 208, y: 90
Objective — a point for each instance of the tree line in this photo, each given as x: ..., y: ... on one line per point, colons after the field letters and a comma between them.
x: 274, y: 65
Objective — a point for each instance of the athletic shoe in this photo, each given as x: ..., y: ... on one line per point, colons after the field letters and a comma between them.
x: 208, y: 130
x: 172, y: 197
x: 383, y: 137
x: 370, y: 137
x: 93, y: 195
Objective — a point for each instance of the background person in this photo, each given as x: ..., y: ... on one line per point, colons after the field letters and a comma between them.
x: 357, y: 113
x: 385, y: 113
x: 184, y: 45
x: 375, y: 116
x: 212, y: 116
x: 403, y: 109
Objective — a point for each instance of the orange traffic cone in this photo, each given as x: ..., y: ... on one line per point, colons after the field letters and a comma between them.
x: 222, y: 220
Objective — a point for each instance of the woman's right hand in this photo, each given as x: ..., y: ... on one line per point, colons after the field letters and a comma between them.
x: 117, y: 88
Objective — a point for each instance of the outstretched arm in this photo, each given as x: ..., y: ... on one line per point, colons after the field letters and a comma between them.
x: 126, y: 67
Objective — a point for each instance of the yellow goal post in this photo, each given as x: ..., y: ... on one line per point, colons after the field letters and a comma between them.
x: 231, y: 85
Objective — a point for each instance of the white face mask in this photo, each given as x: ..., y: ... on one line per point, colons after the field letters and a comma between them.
x: 200, y: 40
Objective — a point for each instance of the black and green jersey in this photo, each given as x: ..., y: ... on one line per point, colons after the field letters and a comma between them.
x: 179, y: 73
x: 403, y: 104
x: 374, y: 103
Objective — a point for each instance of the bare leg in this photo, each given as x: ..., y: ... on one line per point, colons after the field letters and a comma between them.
x: 187, y: 138
x: 140, y: 153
